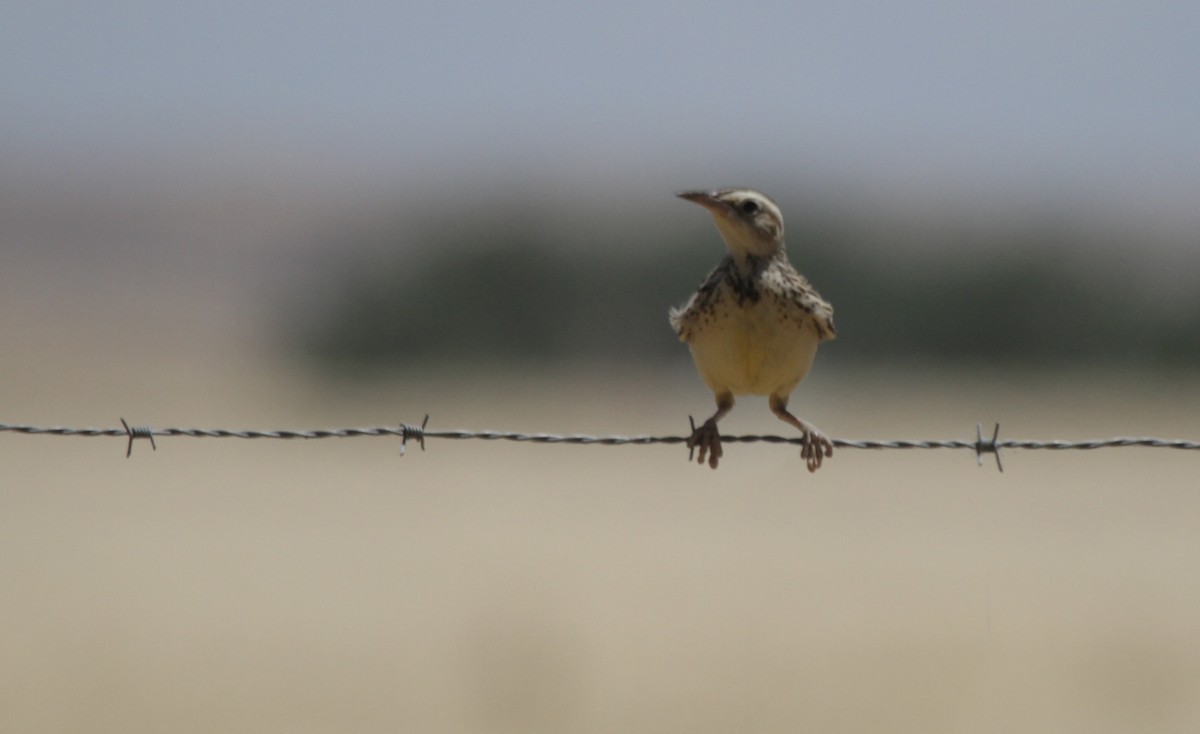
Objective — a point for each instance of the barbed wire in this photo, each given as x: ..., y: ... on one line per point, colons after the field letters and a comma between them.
x: 981, y: 445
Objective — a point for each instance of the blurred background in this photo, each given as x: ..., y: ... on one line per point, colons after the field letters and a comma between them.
x: 299, y: 215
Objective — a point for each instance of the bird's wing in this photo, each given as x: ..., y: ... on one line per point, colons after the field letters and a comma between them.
x: 683, y: 320
x: 802, y: 295
x: 822, y: 313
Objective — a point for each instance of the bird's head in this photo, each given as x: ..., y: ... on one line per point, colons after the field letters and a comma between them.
x: 749, y: 221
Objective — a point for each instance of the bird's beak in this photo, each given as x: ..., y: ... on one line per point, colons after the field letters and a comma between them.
x: 706, y: 199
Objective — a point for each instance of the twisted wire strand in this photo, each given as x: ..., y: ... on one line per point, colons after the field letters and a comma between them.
x: 421, y: 432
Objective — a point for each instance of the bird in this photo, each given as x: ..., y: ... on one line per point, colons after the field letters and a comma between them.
x: 754, y: 324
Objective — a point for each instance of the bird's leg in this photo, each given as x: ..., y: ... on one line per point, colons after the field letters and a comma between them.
x: 816, y: 444
x: 706, y: 437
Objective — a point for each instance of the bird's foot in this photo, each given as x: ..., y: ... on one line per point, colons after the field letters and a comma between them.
x: 815, y: 448
x: 708, y: 439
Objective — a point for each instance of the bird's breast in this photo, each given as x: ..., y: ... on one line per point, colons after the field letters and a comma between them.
x: 753, y: 347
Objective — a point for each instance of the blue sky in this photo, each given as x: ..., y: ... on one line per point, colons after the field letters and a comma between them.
x: 1095, y: 102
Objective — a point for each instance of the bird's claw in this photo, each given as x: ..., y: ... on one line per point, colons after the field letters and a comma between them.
x: 708, y: 439
x: 815, y: 448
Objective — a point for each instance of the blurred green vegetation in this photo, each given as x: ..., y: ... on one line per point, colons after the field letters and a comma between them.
x: 508, y: 290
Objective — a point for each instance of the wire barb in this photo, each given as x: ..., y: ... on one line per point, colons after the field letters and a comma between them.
x: 989, y: 446
x: 408, y: 432
x: 137, y: 432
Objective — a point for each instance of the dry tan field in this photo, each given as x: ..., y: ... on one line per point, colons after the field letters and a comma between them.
x: 334, y: 586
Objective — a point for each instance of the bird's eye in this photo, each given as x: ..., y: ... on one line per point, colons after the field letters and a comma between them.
x: 749, y: 206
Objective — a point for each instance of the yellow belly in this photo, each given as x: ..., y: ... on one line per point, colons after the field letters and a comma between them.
x: 754, y: 351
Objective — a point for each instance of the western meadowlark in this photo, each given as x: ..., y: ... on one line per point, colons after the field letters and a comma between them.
x: 754, y: 325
